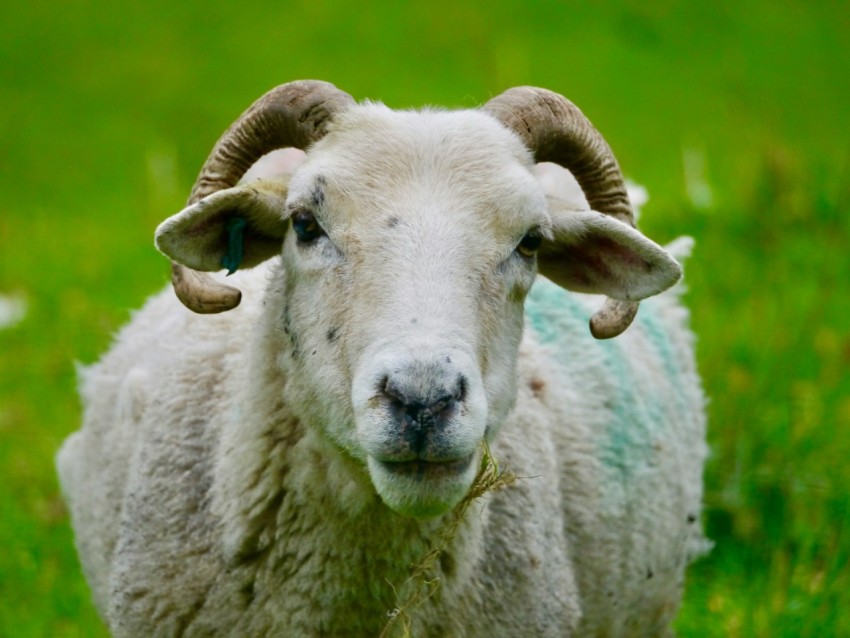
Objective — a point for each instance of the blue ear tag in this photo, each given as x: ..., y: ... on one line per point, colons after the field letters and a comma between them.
x: 233, y: 257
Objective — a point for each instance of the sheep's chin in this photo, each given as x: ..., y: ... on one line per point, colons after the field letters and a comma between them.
x: 420, y: 489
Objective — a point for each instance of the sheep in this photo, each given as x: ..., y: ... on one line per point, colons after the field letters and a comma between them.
x: 415, y: 308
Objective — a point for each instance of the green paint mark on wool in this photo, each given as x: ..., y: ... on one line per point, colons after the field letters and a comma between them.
x: 554, y: 314
x: 235, y: 243
x: 659, y: 338
x: 654, y: 330
x: 634, y: 409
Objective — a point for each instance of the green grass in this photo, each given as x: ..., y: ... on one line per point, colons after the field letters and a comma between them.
x: 108, y: 109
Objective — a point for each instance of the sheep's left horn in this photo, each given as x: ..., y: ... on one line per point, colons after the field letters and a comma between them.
x: 292, y: 115
x: 555, y: 130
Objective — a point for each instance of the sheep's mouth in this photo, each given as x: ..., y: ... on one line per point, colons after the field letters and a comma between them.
x: 428, y: 470
x: 422, y: 488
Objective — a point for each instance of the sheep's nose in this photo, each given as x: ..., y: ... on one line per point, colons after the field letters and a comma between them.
x: 417, y: 407
x: 421, y: 411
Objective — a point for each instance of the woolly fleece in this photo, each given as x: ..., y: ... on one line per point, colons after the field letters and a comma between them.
x: 202, y: 507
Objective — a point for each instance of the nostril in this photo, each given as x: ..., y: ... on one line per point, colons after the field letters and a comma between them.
x: 423, y: 405
x: 394, y: 391
x: 460, y: 389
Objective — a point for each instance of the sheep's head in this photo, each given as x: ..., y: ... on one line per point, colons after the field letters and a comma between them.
x: 409, y: 241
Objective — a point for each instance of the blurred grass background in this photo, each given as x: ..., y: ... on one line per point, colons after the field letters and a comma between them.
x: 734, y: 115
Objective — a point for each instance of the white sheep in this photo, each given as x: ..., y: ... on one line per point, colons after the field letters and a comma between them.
x: 277, y: 470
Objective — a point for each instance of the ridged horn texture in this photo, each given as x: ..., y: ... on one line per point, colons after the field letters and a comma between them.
x: 555, y: 130
x: 291, y: 115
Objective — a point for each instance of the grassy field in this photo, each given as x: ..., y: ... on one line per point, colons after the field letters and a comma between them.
x: 735, y: 117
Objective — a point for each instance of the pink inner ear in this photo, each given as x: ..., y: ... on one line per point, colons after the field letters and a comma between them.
x: 596, y: 265
x: 623, y: 257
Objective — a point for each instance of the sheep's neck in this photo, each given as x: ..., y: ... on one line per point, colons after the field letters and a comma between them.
x: 326, y: 543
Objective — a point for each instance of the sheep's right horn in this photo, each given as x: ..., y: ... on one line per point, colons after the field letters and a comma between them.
x: 291, y: 115
x: 555, y: 130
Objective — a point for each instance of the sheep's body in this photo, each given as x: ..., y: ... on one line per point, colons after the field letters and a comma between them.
x: 233, y: 475
x: 621, y: 518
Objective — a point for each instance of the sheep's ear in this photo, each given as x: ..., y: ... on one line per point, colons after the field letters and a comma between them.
x: 595, y: 253
x: 236, y: 227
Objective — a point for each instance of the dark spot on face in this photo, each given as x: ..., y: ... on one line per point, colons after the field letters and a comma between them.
x: 649, y: 574
x: 333, y: 335
x: 448, y: 359
x: 317, y: 196
x: 289, y: 332
x: 414, y: 321
x: 286, y: 319
x: 392, y: 222
x: 537, y: 386
x: 692, y: 518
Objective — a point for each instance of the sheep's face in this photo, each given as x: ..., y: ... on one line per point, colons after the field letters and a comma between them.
x: 409, y: 242
x: 411, y: 251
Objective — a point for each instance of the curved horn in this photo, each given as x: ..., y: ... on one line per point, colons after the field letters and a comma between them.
x: 291, y: 115
x: 555, y: 130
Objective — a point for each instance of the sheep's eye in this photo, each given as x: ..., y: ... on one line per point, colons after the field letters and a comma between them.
x: 306, y: 227
x: 529, y: 244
